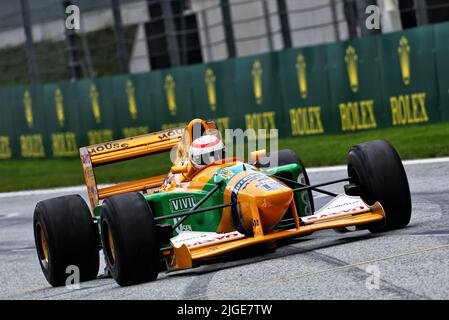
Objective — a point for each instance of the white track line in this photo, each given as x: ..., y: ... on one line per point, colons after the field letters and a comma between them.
x: 326, y: 169
x: 9, y: 215
x: 78, y: 189
x: 406, y: 163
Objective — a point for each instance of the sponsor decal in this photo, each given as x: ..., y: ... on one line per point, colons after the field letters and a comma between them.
x: 409, y: 109
x: 169, y: 86
x: 265, y: 121
x: 28, y: 106
x: 32, y: 146
x: 306, y: 121
x: 257, y: 73
x: 107, y: 146
x: 132, y: 105
x: 59, y: 105
x: 64, y: 144
x: 357, y: 115
x: 95, y: 103
x: 194, y: 239
x: 226, y: 174
x: 210, y: 79
x: 404, y: 59
x: 340, y: 206
x: 85, y: 157
x: 5, y: 148
x: 99, y: 136
x: 268, y: 184
x: 261, y: 181
x: 301, y: 67
x: 182, y: 227
x: 93, y: 194
x: 182, y: 204
x: 351, y: 60
x: 170, y: 133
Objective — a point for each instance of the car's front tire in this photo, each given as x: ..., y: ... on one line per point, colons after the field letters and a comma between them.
x: 129, y: 237
x: 377, y: 174
x: 65, y: 235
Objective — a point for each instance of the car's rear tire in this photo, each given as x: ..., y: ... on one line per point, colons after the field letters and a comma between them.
x: 377, y: 173
x: 65, y: 235
x: 130, y: 240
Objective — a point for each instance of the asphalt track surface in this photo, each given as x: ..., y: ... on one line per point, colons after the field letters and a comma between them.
x: 412, y: 263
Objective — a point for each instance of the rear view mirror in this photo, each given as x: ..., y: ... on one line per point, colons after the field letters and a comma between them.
x: 179, y: 169
x: 256, y: 155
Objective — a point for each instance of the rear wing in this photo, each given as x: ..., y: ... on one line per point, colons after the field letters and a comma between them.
x: 122, y: 150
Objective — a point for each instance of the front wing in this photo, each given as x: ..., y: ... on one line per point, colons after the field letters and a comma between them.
x: 343, y: 211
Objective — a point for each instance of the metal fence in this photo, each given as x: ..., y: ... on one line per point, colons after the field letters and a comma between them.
x: 129, y: 36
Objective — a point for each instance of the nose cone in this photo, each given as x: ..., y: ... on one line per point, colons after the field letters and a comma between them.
x: 272, y: 206
x: 271, y: 197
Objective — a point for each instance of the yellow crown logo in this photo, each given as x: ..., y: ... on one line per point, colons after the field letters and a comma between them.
x: 301, y: 67
x: 28, y: 104
x: 132, y: 105
x: 59, y: 103
x: 257, y: 73
x: 351, y: 59
x: 170, y: 93
x: 95, y: 103
x: 404, y: 60
x: 211, y: 89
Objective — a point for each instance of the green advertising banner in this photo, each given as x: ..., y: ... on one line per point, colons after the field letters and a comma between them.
x: 409, y: 82
x: 373, y: 82
x: 256, y: 87
x: 213, y: 96
x: 305, y: 92
x: 7, y: 133
x: 148, y: 102
x: 354, y: 75
x: 132, y: 111
x: 29, y: 118
x: 173, y: 96
x: 442, y: 66
x: 97, y: 111
x: 63, y: 119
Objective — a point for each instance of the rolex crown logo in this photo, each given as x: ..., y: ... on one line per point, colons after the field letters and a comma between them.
x: 257, y: 73
x: 404, y: 60
x: 59, y: 103
x: 28, y: 104
x: 170, y: 93
x: 211, y: 89
x: 132, y: 105
x: 351, y: 66
x: 95, y: 103
x: 301, y: 67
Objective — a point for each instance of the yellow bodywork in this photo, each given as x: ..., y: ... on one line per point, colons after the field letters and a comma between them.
x: 263, y: 208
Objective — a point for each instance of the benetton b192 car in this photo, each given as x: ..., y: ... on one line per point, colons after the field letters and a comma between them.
x: 208, y: 205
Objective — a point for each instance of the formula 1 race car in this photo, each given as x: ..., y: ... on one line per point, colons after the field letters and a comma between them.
x: 208, y: 205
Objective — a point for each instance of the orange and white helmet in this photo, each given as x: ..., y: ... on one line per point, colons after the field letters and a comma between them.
x: 206, y: 150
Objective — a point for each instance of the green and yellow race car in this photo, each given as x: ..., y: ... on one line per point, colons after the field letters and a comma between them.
x: 207, y: 206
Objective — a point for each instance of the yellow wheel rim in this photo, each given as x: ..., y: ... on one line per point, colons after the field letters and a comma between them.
x: 44, y: 245
x: 111, y: 244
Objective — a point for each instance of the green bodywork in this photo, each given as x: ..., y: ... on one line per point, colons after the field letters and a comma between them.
x: 167, y: 203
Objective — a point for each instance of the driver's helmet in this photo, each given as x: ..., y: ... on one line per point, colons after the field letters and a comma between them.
x: 206, y: 150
